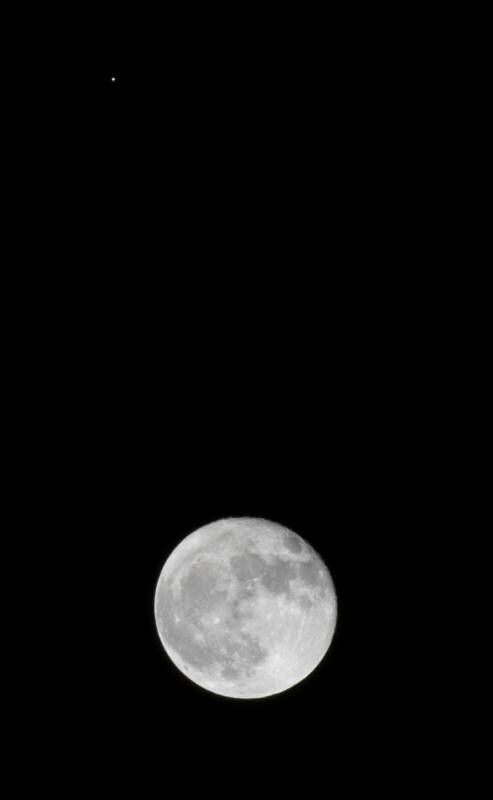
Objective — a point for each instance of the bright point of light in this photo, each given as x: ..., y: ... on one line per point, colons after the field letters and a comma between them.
x: 113, y: 80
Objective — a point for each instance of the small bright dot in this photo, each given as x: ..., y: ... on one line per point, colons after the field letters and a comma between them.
x: 113, y: 79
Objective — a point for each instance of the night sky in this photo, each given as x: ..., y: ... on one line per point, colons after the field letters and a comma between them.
x: 232, y: 334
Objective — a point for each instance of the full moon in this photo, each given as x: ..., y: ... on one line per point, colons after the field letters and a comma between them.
x: 245, y: 608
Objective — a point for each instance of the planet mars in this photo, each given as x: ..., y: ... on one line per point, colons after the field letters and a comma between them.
x: 245, y: 608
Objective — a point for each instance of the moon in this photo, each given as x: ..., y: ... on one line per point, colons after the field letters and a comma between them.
x: 245, y: 608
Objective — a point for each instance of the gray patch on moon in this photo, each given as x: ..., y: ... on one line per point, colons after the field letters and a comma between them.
x: 305, y: 602
x: 230, y: 674
x: 246, y: 591
x: 309, y: 572
x: 248, y: 566
x: 242, y: 609
x: 292, y: 542
x: 247, y: 649
x: 277, y: 576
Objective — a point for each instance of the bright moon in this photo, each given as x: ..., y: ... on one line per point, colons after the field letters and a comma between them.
x: 245, y: 608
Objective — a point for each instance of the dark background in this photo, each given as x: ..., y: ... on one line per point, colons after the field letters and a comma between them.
x: 227, y: 326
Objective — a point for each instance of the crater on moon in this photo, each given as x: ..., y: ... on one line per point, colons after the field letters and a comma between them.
x: 245, y: 607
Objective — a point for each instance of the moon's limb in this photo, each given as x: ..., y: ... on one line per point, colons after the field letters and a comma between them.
x: 245, y: 608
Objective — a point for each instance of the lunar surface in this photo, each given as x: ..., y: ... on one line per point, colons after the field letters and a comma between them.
x: 245, y: 608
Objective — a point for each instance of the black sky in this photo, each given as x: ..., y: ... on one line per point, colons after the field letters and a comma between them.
x: 230, y: 333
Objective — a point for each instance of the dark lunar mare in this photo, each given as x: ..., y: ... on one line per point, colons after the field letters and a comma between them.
x: 308, y: 571
x: 292, y: 542
x: 274, y: 576
x: 279, y: 573
x: 248, y: 566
